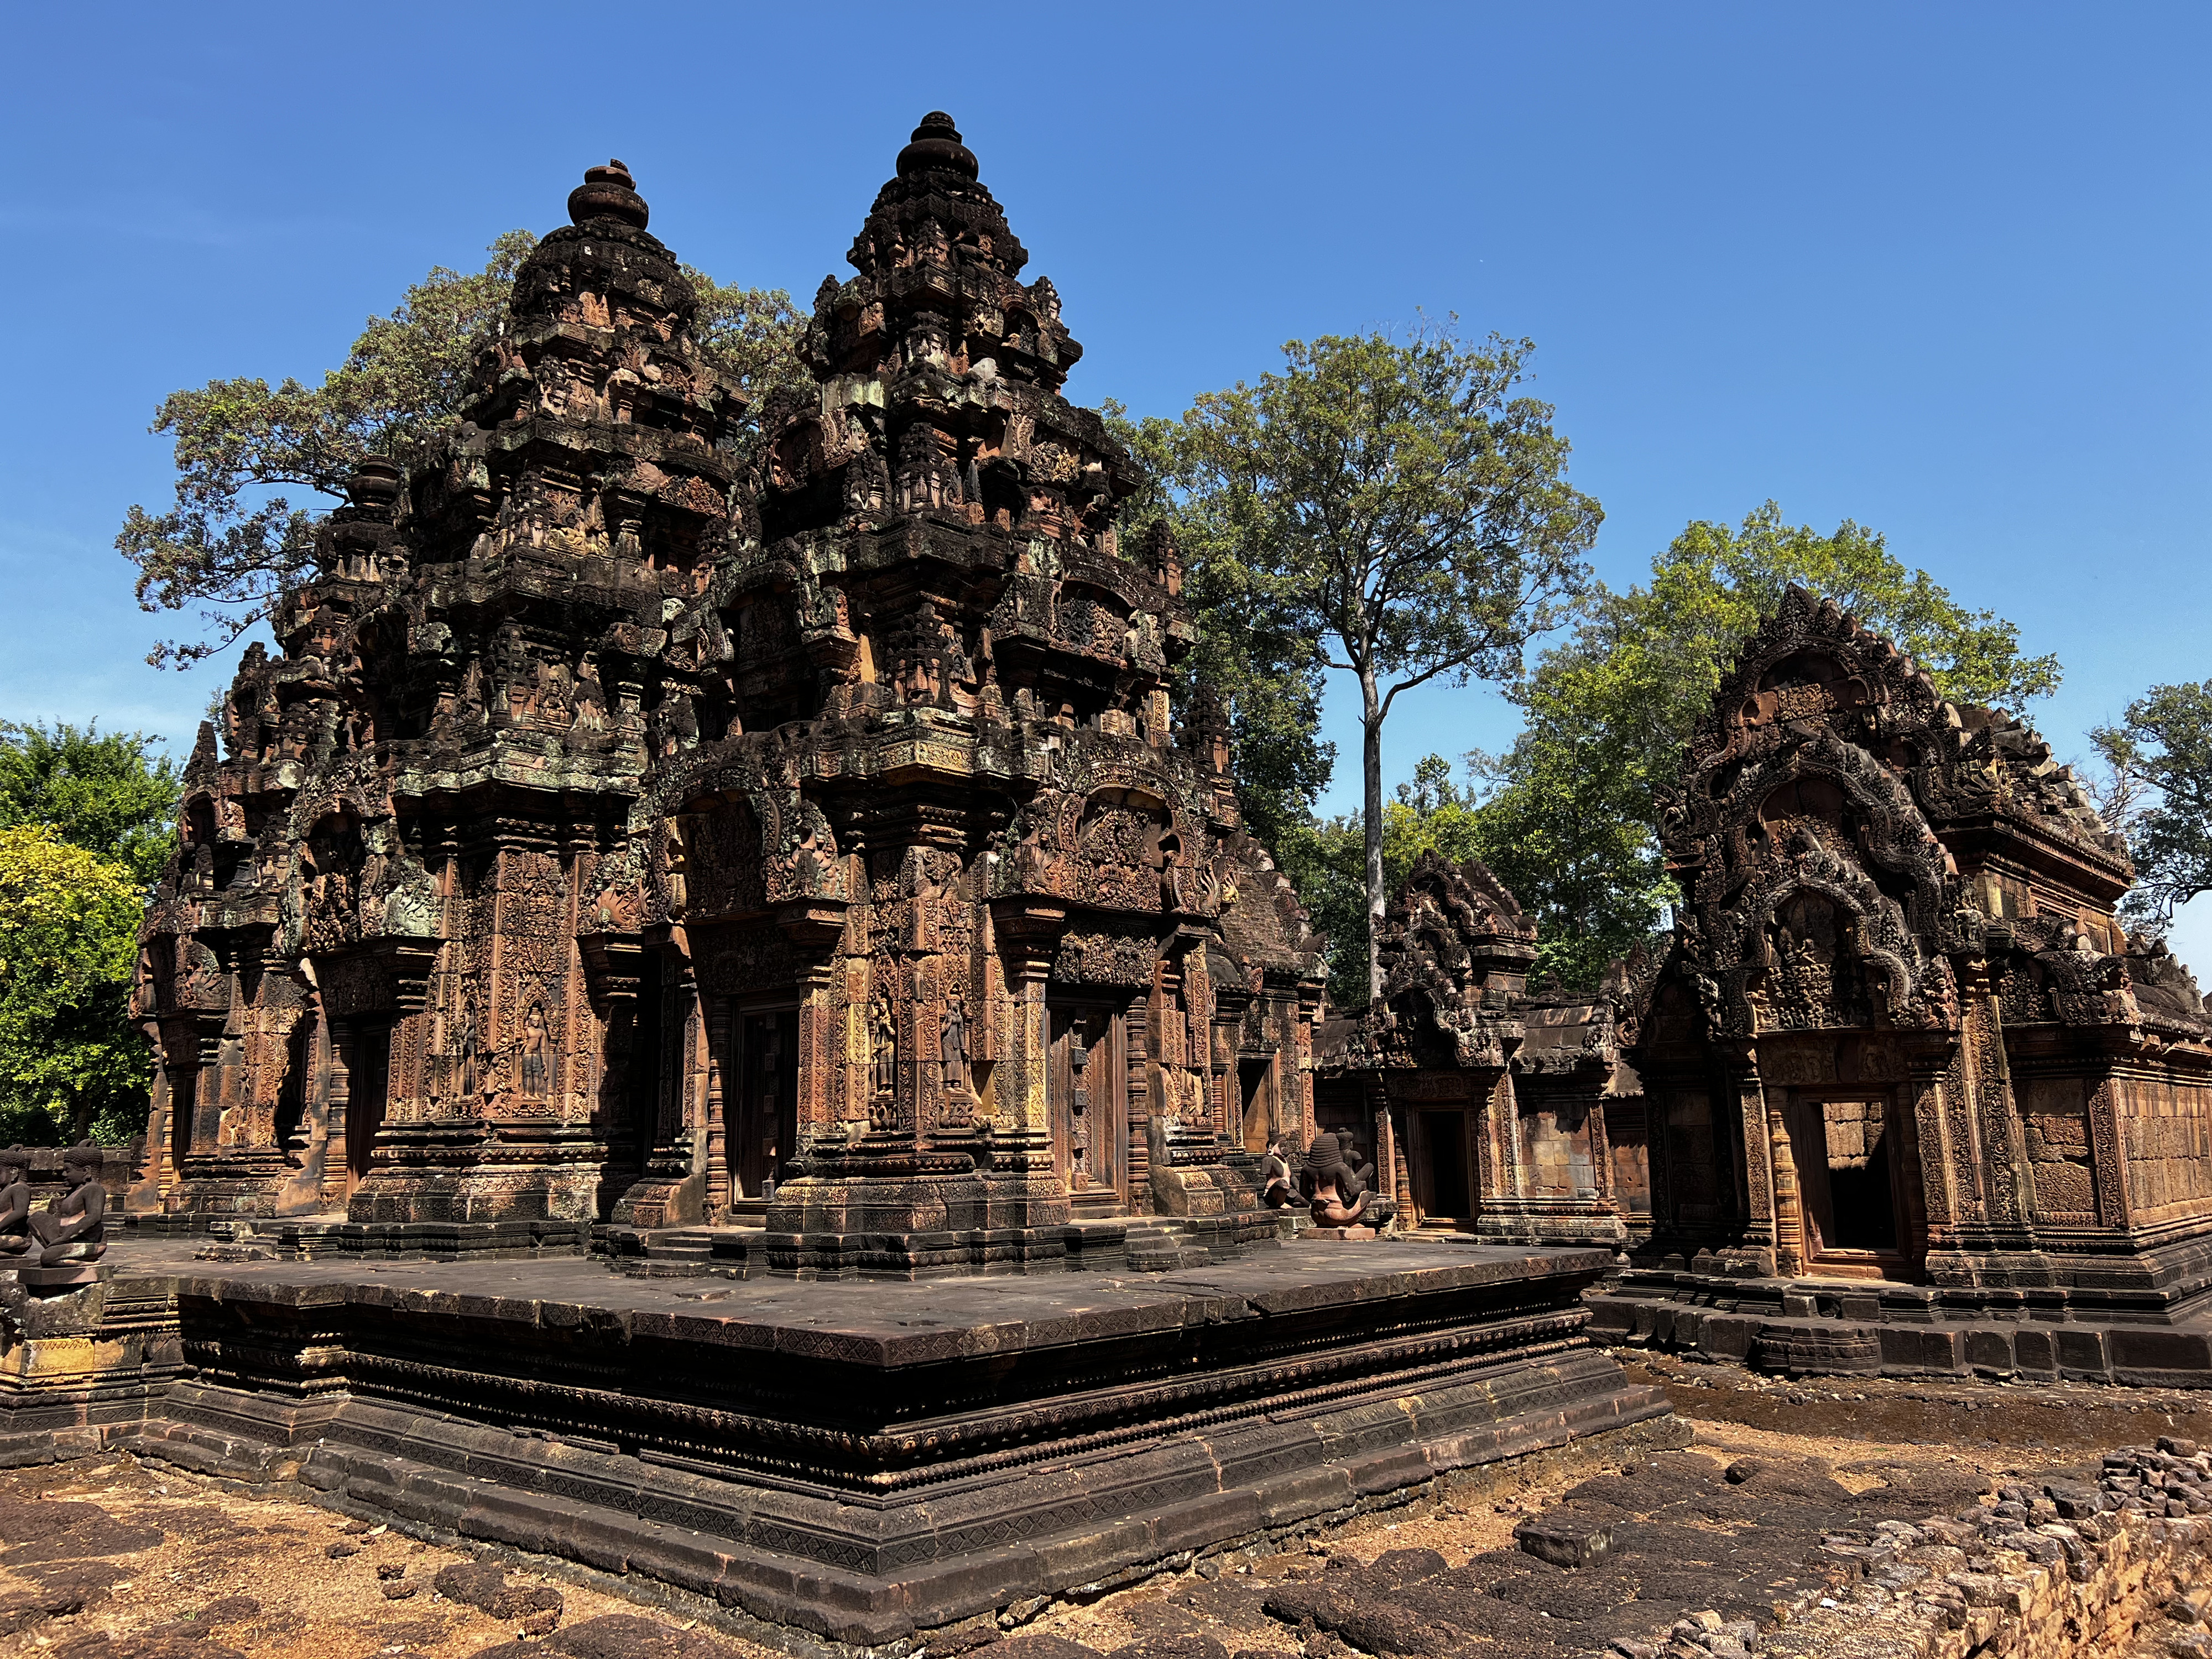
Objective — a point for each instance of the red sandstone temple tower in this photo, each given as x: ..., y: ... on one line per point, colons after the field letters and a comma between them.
x: 1899, y: 1034
x: 622, y: 834
x: 1484, y: 1101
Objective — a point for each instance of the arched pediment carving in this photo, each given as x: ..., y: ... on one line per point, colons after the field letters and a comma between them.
x: 1454, y: 951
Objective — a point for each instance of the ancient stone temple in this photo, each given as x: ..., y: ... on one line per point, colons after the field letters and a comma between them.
x: 755, y: 899
x: 622, y: 832
x: 1484, y: 1101
x: 1899, y: 1037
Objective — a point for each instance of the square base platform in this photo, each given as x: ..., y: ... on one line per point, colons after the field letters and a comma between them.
x: 869, y: 1461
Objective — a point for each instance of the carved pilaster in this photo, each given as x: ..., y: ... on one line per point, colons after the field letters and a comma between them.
x: 1028, y: 934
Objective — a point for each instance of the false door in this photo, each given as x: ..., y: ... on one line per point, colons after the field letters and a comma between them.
x: 1089, y: 1089
x: 763, y: 1119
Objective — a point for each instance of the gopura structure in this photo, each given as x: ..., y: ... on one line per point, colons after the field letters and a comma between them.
x: 1484, y: 1103
x: 622, y: 833
x: 1899, y: 1036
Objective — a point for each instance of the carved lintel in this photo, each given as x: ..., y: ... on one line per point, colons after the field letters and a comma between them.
x: 1028, y: 930
x: 614, y: 965
x: 814, y: 924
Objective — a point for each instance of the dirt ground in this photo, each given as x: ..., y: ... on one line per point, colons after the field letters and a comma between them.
x: 110, y: 1560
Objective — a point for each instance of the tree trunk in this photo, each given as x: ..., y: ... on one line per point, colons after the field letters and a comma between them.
x: 1370, y: 761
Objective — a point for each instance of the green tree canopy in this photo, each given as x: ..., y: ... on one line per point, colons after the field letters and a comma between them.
x: 70, y: 1065
x: 105, y: 793
x: 233, y: 543
x: 1385, y: 506
x: 1567, y: 822
x: 2160, y: 798
x: 1326, y: 862
x: 1248, y: 652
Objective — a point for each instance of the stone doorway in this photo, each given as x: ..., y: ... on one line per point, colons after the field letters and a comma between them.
x: 1846, y: 1150
x: 1256, y: 1081
x: 367, y: 1065
x: 1089, y: 1099
x: 763, y: 1110
x: 1444, y: 1183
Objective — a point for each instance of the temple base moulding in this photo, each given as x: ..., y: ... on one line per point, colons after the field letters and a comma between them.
x: 866, y: 1461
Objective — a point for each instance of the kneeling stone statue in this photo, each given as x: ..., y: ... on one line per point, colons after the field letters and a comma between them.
x: 73, y: 1228
x: 1339, y: 1197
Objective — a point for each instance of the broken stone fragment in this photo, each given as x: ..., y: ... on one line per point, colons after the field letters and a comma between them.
x: 1564, y: 1539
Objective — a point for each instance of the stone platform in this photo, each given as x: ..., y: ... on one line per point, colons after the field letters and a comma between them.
x: 861, y: 1460
x: 1833, y: 1327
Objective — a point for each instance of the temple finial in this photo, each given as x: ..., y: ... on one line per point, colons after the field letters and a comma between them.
x: 608, y: 192
x: 937, y: 149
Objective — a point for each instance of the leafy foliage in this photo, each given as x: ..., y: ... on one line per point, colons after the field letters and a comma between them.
x: 233, y: 543
x: 1247, y: 652
x: 1383, y: 506
x: 107, y: 795
x: 2159, y: 794
x: 751, y: 334
x: 69, y: 1066
x: 1567, y: 821
x: 1326, y: 862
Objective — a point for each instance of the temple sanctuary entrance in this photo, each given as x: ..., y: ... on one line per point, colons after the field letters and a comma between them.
x: 1437, y: 1162
x: 365, y: 1062
x: 1089, y: 1085
x: 761, y: 1125
x: 1846, y: 1150
x: 1255, y: 1082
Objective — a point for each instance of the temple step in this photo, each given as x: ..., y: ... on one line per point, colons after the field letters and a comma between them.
x: 679, y: 1253
x: 1157, y: 1248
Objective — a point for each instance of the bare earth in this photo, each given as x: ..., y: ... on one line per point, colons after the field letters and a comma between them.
x: 110, y: 1560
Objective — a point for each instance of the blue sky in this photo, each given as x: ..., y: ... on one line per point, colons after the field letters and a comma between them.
x: 1939, y: 269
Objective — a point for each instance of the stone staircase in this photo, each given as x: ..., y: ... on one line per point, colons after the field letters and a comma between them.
x: 685, y: 1252
x: 1158, y: 1246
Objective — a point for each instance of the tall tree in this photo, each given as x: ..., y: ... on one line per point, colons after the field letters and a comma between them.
x: 1392, y: 502
x: 108, y: 794
x: 1250, y: 651
x: 2160, y: 796
x: 1569, y: 820
x: 233, y: 543
x: 1327, y: 860
x: 70, y: 1065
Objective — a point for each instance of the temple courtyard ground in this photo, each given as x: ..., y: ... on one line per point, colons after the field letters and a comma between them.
x: 1838, y: 1508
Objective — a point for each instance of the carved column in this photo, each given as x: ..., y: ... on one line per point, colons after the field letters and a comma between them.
x: 2108, y: 1156
x: 145, y: 1197
x: 1601, y: 1149
x: 717, y: 1019
x: 1941, y: 1180
x: 1788, y: 1203
x: 1298, y: 1118
x: 1027, y: 933
x: 1740, y: 1065
x: 337, y: 1105
x: 2004, y: 1148
x: 829, y: 1054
